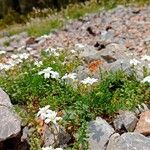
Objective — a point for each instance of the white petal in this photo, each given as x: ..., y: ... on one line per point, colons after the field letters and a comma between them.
x: 146, y: 79
x: 47, y: 121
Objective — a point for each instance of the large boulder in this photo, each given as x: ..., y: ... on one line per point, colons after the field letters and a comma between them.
x: 125, y: 119
x: 4, y: 99
x: 128, y: 141
x: 99, y: 134
x: 10, y: 123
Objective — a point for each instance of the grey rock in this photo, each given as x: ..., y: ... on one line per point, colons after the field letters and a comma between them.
x: 99, y: 134
x: 90, y: 55
x: 63, y: 137
x: 15, y: 37
x: 125, y: 119
x: 115, y: 50
x: 55, y: 135
x: 42, y: 41
x: 4, y: 99
x: 82, y: 72
x: 4, y: 40
x: 121, y: 64
x: 49, y: 137
x: 24, y: 34
x: 107, y: 36
x: 22, y: 42
x: 14, y: 44
x: 2, y: 48
x: 128, y: 141
x: 5, y: 34
x: 9, y: 49
x: 10, y: 123
x: 35, y: 45
x: 26, y: 133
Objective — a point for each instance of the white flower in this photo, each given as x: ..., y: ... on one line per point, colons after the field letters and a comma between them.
x: 11, y: 62
x: 18, y: 61
x: 48, y: 148
x: 146, y: 79
x: 72, y: 76
x: 49, y: 73
x: 7, y: 67
x: 2, y: 52
x: 53, y: 62
x: 54, y: 74
x: 53, y: 50
x: 51, y: 148
x: 46, y: 72
x: 51, y: 117
x: 149, y: 66
x: 145, y: 57
x: 38, y: 63
x: 89, y: 80
x: 79, y: 46
x: 60, y: 48
x: 43, y: 110
x: 14, y: 56
x: 29, y: 48
x: 134, y: 62
x: 47, y: 50
x: 24, y: 56
x: 48, y: 115
x: 56, y: 54
x: 72, y: 51
x: 46, y: 36
x: 1, y: 66
x: 21, y: 48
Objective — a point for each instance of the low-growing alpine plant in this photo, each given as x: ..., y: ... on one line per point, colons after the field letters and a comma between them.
x: 49, y: 89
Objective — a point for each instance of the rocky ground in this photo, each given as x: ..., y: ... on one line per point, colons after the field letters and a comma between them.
x: 110, y: 39
x: 128, y: 27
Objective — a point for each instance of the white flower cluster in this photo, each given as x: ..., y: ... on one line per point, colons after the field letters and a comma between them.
x: 45, y: 36
x: 38, y: 63
x: 47, y: 115
x: 72, y: 76
x: 51, y: 148
x: 79, y: 46
x: 2, y: 52
x: 53, y: 51
x: 13, y: 61
x: 48, y: 72
x: 146, y: 58
x: 89, y: 81
x: 136, y: 62
x: 146, y: 79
